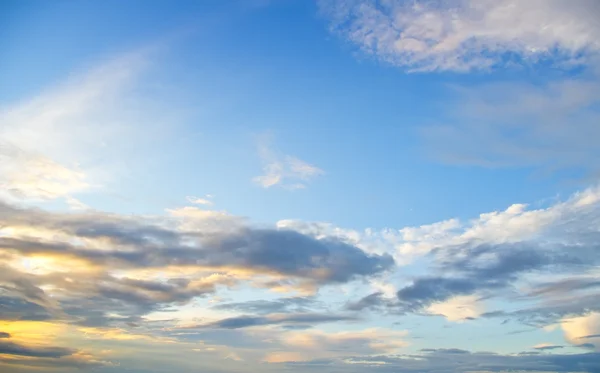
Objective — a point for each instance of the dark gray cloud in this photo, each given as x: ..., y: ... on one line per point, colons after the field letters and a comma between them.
x: 427, y: 290
x: 294, y: 254
x: 11, y: 348
x: 140, y: 243
x: 287, y: 320
x: 590, y: 336
x: 445, y: 350
x: 589, y: 346
x: 285, y: 252
x: 565, y: 286
x: 371, y: 301
x: 4, y: 335
x: 492, y: 268
x: 16, y: 308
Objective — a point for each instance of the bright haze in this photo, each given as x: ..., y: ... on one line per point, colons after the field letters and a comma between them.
x: 340, y: 186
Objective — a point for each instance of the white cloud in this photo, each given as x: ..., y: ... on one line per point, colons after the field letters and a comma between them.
x: 583, y: 329
x: 283, y: 170
x: 206, y: 200
x: 315, y: 344
x: 206, y: 221
x: 463, y: 35
x: 517, y: 223
x: 459, y: 308
x: 29, y: 175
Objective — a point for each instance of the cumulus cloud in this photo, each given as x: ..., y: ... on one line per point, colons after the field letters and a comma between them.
x: 544, y: 260
x: 463, y: 35
x: 283, y: 170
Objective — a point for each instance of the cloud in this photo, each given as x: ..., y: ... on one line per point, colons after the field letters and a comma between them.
x: 584, y: 328
x: 464, y: 35
x: 29, y: 175
x: 315, y: 344
x: 100, y: 269
x: 450, y: 351
x: 456, y: 360
x: 371, y: 301
x: 548, y: 125
x: 206, y: 200
x: 491, y: 268
x: 283, y: 170
x: 547, y: 346
x: 45, y: 138
x: 287, y: 320
x: 10, y: 348
x: 515, y: 124
x: 86, y: 132
x: 459, y: 308
x: 543, y: 260
x: 292, y: 304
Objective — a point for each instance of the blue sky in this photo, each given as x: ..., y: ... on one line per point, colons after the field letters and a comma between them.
x: 347, y: 185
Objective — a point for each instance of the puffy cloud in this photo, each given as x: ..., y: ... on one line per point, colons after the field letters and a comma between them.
x: 543, y: 260
x: 463, y: 35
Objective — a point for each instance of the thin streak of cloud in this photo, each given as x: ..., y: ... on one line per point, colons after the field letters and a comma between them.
x: 281, y: 170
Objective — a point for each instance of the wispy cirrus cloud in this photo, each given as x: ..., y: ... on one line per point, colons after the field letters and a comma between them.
x: 45, y: 139
x: 75, y: 136
x: 548, y: 126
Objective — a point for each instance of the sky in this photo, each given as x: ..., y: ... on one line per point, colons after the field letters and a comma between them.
x: 344, y: 186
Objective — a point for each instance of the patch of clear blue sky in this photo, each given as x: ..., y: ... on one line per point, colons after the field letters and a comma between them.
x: 244, y: 69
